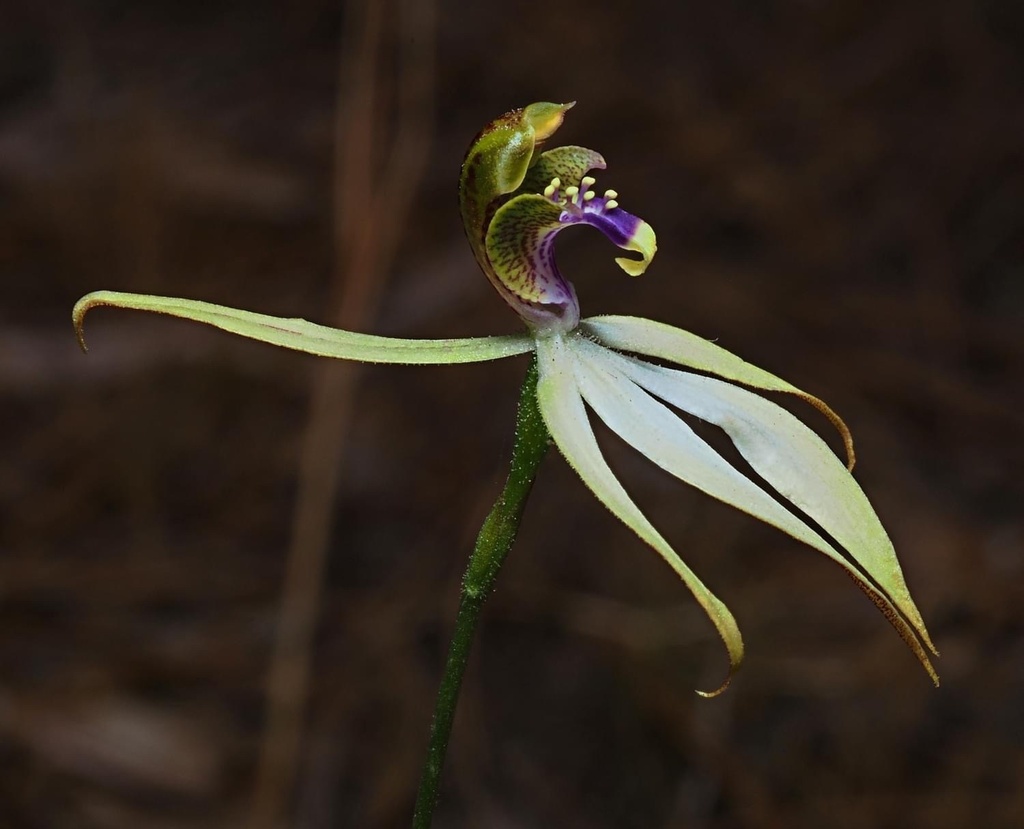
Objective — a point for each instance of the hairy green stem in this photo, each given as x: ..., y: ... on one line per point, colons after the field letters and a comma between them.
x: 492, y: 545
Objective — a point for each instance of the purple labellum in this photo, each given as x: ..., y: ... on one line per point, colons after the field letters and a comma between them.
x: 515, y: 200
x: 581, y: 204
x: 520, y: 247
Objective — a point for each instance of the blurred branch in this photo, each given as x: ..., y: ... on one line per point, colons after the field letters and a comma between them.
x: 365, y: 241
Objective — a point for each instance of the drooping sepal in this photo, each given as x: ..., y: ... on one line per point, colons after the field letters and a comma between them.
x: 300, y: 335
x: 793, y: 460
x: 560, y: 395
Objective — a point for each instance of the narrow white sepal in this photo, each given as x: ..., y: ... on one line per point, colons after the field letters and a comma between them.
x: 665, y: 342
x: 775, y: 444
x: 566, y: 418
x: 655, y: 431
x: 795, y: 461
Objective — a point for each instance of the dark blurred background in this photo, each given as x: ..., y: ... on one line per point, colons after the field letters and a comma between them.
x: 837, y: 189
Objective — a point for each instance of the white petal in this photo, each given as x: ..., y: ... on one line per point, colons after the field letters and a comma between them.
x: 300, y: 335
x: 665, y: 342
x: 566, y: 418
x: 792, y: 458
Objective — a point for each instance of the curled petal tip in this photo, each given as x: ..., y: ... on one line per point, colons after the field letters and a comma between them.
x: 838, y: 422
x: 719, y: 690
x: 643, y: 241
x: 82, y: 307
x: 634, y: 267
x: 734, y: 645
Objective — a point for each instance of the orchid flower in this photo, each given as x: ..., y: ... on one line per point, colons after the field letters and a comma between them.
x: 514, y: 200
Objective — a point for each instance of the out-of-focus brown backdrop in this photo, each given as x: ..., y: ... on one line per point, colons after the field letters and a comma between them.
x: 837, y: 190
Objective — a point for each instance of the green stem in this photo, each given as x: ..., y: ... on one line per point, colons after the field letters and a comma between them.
x: 492, y: 545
